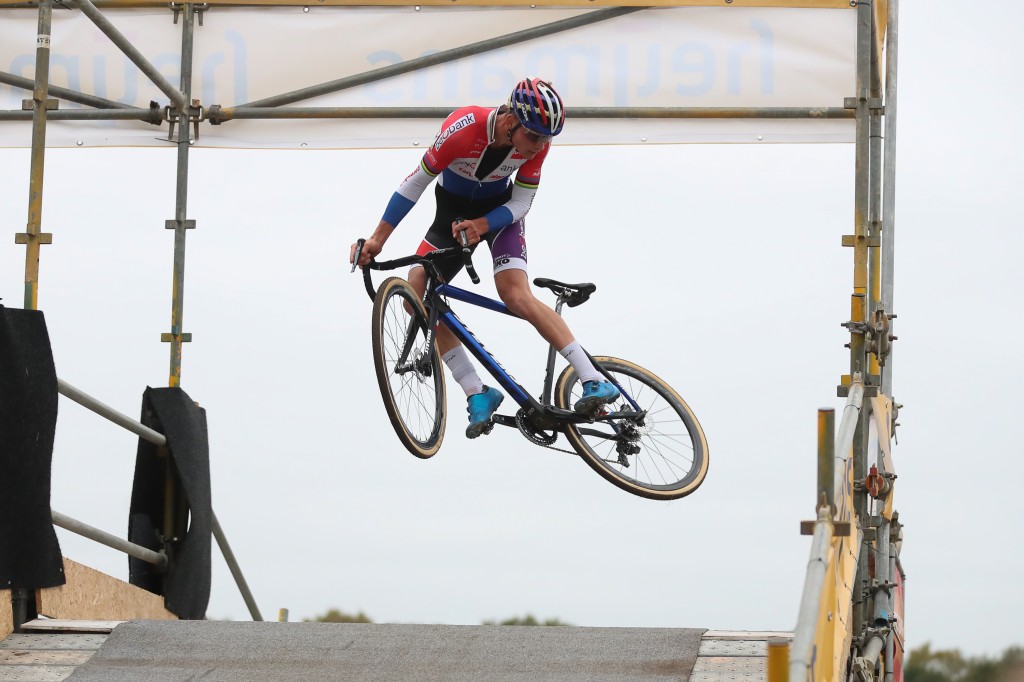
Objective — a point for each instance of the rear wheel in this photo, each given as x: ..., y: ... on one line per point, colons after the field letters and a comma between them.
x: 662, y: 455
x: 408, y: 370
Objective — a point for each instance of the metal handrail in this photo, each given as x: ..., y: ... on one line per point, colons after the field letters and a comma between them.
x: 105, y: 538
x: 810, y: 601
x: 122, y: 420
x: 844, y: 436
x: 158, y: 439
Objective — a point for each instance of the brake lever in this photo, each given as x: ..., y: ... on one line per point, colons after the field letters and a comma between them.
x: 467, y: 255
x: 367, y: 281
x: 359, y: 250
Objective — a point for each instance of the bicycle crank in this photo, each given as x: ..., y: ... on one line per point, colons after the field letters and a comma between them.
x: 532, y: 434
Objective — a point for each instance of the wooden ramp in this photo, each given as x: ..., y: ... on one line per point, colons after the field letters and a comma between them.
x: 215, y: 651
x: 51, y: 649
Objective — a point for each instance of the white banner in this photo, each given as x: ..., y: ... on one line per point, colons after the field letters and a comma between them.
x: 666, y: 57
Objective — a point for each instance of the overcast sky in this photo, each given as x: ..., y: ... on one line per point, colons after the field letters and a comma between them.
x: 719, y: 267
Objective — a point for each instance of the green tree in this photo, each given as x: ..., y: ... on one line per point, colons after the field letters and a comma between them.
x: 338, y: 616
x: 528, y: 619
x: 949, y: 665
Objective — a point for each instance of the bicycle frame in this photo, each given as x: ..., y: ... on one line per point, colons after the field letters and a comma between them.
x: 542, y: 412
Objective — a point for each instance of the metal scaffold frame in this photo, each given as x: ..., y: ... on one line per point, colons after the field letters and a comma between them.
x: 869, y: 640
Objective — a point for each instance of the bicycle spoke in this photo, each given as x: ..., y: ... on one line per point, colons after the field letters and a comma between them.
x: 408, y: 369
x: 654, y: 454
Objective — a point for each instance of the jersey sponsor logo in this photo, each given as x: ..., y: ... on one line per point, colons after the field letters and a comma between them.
x: 466, y: 120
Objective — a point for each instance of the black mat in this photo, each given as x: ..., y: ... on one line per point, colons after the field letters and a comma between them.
x: 166, y: 651
x: 29, y: 554
x: 186, y: 584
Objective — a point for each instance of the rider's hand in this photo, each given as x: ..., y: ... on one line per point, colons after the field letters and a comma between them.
x: 475, y: 230
x: 371, y: 248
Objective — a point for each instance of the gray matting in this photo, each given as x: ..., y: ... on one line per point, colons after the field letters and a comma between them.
x: 218, y: 651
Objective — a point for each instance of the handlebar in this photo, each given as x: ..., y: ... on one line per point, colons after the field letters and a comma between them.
x: 425, y: 260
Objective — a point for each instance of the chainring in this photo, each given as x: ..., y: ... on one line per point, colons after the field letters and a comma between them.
x: 532, y: 434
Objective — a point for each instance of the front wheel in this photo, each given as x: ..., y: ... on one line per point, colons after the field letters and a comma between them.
x: 408, y: 369
x: 662, y: 455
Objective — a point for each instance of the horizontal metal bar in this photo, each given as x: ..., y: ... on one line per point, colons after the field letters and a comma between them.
x: 217, y: 114
x: 154, y: 116
x: 105, y: 538
x: 87, y: 401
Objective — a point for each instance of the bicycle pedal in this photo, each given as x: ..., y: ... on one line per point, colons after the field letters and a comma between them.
x: 473, y: 432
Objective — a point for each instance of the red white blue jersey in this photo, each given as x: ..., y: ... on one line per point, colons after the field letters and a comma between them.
x: 455, y: 156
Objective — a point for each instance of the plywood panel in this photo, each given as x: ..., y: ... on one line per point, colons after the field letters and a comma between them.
x: 6, y: 614
x: 91, y: 595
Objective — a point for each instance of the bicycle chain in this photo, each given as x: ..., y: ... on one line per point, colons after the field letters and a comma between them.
x: 545, y: 442
x: 534, y: 436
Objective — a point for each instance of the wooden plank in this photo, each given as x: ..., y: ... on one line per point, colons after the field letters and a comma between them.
x: 91, y: 595
x: 725, y: 676
x: 746, y: 634
x: 809, y: 4
x: 6, y: 614
x: 732, y: 664
x: 44, y: 656
x: 52, y: 641
x: 36, y: 673
x: 62, y: 625
x: 733, y: 647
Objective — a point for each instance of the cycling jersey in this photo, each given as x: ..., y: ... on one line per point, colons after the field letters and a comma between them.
x: 456, y: 155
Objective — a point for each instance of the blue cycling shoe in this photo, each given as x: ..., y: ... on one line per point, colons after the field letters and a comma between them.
x: 481, y: 407
x: 595, y: 394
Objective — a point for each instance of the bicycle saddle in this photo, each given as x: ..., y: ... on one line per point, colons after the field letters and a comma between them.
x: 574, y: 294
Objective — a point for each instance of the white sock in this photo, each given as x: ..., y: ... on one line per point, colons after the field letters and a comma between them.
x: 463, y: 371
x: 585, y: 369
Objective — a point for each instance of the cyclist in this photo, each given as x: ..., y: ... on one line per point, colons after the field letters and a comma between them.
x: 474, y: 156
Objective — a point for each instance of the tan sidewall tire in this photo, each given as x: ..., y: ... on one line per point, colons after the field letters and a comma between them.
x: 383, y: 380
x: 563, y: 388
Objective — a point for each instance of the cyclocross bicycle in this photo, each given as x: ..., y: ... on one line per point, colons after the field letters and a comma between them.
x: 647, y: 442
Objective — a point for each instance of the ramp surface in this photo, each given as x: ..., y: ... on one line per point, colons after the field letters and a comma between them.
x: 159, y: 651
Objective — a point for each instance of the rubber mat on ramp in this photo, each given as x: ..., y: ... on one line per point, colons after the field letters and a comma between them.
x: 218, y: 651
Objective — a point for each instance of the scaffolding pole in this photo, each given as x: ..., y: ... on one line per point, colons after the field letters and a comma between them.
x: 889, y: 179
x: 443, y: 57
x: 217, y: 114
x: 179, y: 224
x: 33, y: 237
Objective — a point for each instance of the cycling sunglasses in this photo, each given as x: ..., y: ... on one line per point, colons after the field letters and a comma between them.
x: 532, y: 136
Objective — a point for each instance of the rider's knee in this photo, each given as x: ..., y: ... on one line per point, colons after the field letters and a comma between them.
x: 520, y: 300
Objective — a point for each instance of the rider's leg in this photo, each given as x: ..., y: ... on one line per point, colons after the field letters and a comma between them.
x: 508, y: 249
x: 482, y: 401
x: 514, y: 289
x: 451, y: 350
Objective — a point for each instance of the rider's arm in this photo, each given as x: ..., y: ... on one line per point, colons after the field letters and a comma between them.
x: 524, y: 189
x: 372, y: 246
x: 408, y: 193
x: 455, y: 137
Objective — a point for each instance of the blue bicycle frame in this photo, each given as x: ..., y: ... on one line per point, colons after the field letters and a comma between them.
x: 439, y: 311
x: 524, y: 399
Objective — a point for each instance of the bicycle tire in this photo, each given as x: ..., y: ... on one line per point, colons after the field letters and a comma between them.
x: 672, y: 460
x: 415, y: 399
